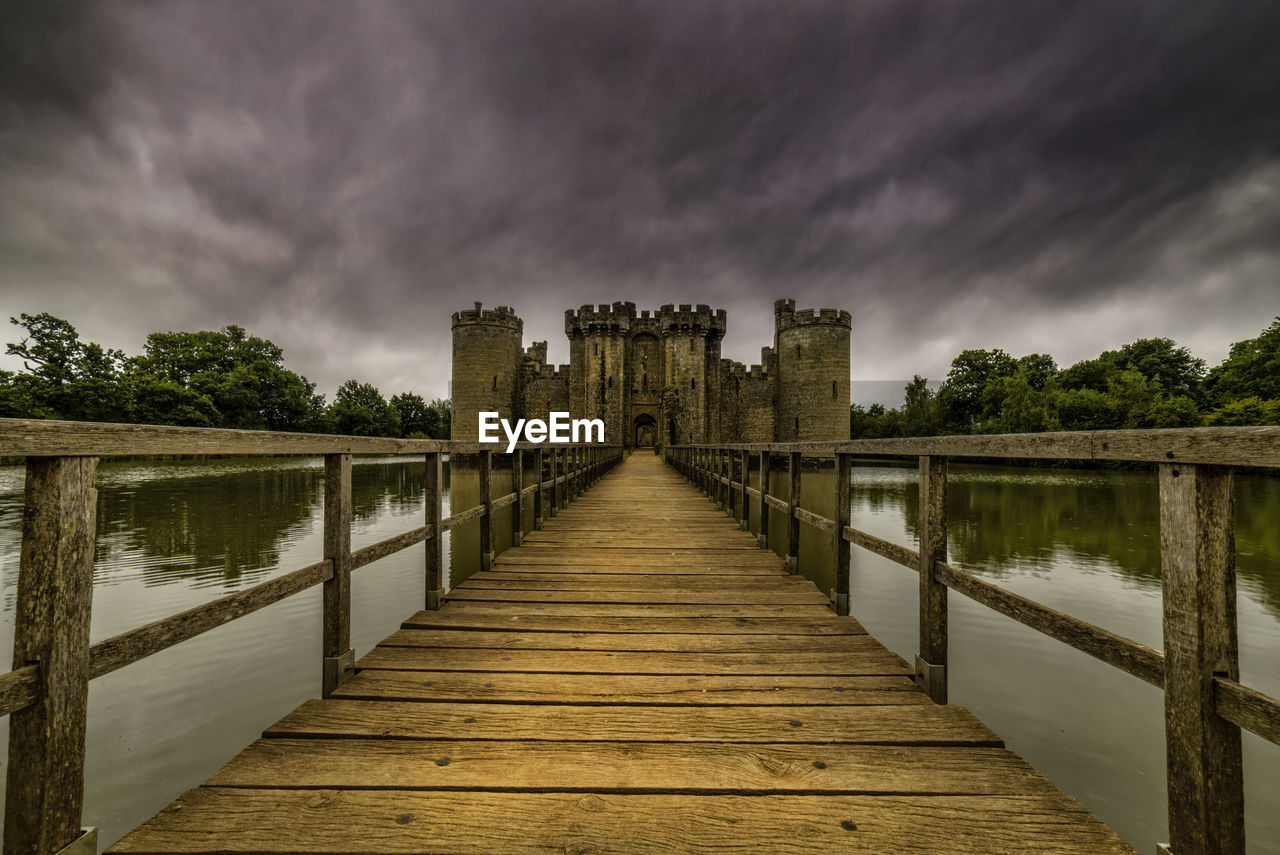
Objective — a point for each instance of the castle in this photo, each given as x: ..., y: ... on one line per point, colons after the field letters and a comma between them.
x: 657, y: 377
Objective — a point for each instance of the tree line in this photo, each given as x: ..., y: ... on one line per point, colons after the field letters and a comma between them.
x: 225, y: 378
x: 1150, y: 383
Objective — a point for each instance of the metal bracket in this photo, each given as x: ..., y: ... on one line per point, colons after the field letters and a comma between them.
x: 435, y: 599
x: 85, y: 844
x: 932, y: 679
x: 841, y: 603
x: 338, y: 669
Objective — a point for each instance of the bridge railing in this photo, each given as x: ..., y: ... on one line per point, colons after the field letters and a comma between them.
x: 1205, y: 703
x: 46, y: 693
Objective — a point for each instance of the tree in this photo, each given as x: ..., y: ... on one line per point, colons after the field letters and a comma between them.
x: 1251, y: 369
x: 67, y: 378
x: 960, y: 401
x: 360, y: 410
x: 920, y: 411
x: 1160, y: 359
x: 443, y: 410
x: 1246, y: 411
x: 416, y: 418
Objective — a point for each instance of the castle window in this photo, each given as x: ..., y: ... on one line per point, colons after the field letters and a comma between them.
x: 797, y: 425
x: 495, y: 382
x: 610, y: 382
x: 691, y: 345
x: 693, y: 384
x: 644, y: 382
x: 797, y: 351
x: 833, y: 389
x: 595, y: 349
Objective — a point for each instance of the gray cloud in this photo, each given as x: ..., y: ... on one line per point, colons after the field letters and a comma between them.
x: 340, y: 177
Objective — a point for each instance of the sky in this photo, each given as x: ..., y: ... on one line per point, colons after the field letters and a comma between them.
x: 340, y: 177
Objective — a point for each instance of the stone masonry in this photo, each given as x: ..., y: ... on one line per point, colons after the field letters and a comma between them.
x: 658, y: 376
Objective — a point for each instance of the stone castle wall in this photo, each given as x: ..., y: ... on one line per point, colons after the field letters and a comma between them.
x: 659, y: 374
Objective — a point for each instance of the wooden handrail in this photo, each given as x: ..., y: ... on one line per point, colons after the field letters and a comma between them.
x: 1205, y: 705
x: 45, y: 694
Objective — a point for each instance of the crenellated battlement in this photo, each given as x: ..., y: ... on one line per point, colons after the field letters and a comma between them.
x: 607, y: 318
x: 688, y: 319
x: 786, y: 316
x: 537, y: 351
x: 502, y: 316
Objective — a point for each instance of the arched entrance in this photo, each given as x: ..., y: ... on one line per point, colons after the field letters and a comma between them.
x: 644, y: 431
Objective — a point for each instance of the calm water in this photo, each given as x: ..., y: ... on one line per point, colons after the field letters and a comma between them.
x: 173, y: 535
x: 1086, y: 543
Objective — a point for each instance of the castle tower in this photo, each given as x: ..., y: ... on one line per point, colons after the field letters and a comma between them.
x: 691, y: 361
x: 598, y: 340
x: 487, y: 355
x: 812, y: 351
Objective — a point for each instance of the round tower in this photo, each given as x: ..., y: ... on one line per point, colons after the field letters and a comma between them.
x: 812, y: 350
x: 487, y: 353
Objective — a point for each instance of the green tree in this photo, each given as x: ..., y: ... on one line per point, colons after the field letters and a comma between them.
x: 443, y: 410
x: 157, y: 401
x: 1251, y: 369
x: 360, y: 410
x: 1246, y: 411
x: 418, y: 419
x: 960, y: 400
x: 1160, y: 359
x: 920, y: 410
x: 67, y: 378
x: 242, y: 375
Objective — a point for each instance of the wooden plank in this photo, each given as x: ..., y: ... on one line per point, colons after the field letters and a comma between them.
x: 617, y: 641
x: 1116, y: 650
x: 902, y: 724
x: 390, y: 546
x: 813, y: 520
x: 1221, y: 446
x: 631, y: 610
x: 892, y: 551
x: 129, y: 647
x: 462, y: 517
x: 1248, y: 708
x: 389, y: 822
x: 44, y: 794
x: 508, y: 581
x: 19, y: 688
x: 671, y: 568
x: 872, y: 659
x: 707, y: 767
x: 631, y: 689
x: 666, y: 595
x: 1198, y: 571
x: 839, y: 547
x: 454, y: 619
x: 49, y: 437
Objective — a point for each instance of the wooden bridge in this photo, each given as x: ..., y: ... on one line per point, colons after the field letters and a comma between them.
x: 635, y: 675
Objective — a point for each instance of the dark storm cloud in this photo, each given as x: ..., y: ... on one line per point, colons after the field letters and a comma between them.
x: 339, y: 177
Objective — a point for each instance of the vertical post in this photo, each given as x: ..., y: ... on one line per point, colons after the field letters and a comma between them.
x: 435, y: 544
x: 731, y: 466
x: 931, y: 663
x: 564, y: 472
x: 45, y: 790
x: 517, y: 507
x: 553, y: 457
x: 339, y: 658
x: 486, y: 521
x: 793, y: 502
x: 719, y: 478
x: 763, y: 509
x: 1197, y: 550
x: 744, y: 498
x: 844, y: 470
x: 538, y: 501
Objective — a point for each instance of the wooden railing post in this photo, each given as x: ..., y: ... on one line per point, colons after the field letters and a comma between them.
x: 731, y: 464
x: 44, y: 794
x: 763, y: 536
x: 1197, y: 546
x: 339, y: 658
x: 538, y: 502
x: 744, y: 498
x: 486, y: 521
x: 793, y: 524
x: 844, y: 471
x: 435, y: 516
x: 721, y: 488
x: 553, y: 461
x: 517, y: 507
x: 931, y: 663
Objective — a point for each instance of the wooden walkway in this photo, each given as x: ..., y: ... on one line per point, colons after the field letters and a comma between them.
x: 637, y: 676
